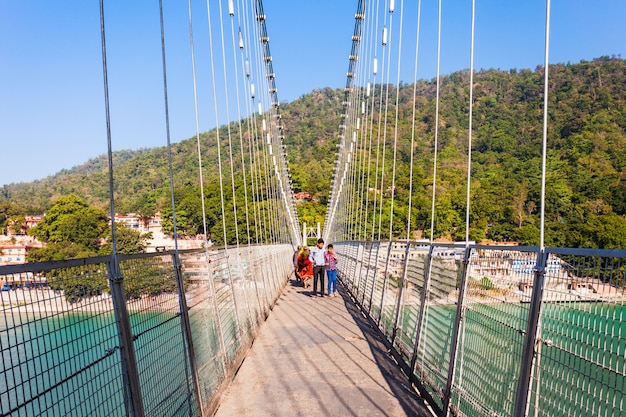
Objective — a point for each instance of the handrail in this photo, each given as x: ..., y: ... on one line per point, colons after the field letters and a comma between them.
x: 509, y: 333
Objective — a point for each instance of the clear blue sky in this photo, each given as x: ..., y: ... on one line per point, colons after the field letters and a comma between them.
x: 51, y: 93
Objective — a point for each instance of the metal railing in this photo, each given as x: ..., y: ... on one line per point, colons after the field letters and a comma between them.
x: 498, y: 331
x: 162, y: 336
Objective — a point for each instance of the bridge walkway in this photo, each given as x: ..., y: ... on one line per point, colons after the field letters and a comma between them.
x: 319, y: 357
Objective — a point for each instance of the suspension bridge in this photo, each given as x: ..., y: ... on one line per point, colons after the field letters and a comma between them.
x: 421, y: 328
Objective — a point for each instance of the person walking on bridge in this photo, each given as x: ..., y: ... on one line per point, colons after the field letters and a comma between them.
x: 305, y: 267
x: 317, y: 258
x: 331, y: 270
x: 295, y: 262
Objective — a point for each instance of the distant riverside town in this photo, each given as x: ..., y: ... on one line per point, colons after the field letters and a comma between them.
x: 14, y: 246
x: 503, y: 271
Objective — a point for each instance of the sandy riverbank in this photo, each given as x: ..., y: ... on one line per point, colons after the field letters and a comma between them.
x: 47, y: 301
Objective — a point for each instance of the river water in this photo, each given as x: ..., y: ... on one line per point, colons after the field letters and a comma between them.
x: 69, y: 365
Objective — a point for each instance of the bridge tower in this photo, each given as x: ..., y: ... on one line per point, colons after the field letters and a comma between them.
x: 310, y: 232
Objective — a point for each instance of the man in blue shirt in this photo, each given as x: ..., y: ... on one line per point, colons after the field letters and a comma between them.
x: 317, y: 258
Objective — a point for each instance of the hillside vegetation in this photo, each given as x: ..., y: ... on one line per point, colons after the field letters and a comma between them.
x: 586, y: 182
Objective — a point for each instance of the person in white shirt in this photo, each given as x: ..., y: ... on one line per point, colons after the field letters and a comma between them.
x: 317, y: 258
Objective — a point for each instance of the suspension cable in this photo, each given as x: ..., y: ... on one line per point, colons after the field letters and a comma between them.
x: 371, y: 79
x: 415, y: 67
x: 167, y: 129
x: 239, y: 124
x: 395, y: 133
x: 217, y: 130
x: 545, y: 129
x: 363, y: 112
x: 251, y: 124
x: 195, y: 107
x: 380, y: 105
x: 228, y: 124
x: 432, y: 213
x: 109, y: 143
x: 469, y: 140
x: 386, y: 74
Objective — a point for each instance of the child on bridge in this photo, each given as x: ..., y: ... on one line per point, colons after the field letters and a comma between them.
x: 330, y: 261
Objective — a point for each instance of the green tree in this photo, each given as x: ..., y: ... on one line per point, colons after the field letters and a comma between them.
x: 15, y: 224
x: 607, y: 231
x: 148, y: 276
x: 78, y: 283
x: 8, y: 212
x: 128, y: 241
x: 69, y: 221
x: 58, y: 252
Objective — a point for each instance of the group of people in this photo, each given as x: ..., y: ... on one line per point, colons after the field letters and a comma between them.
x: 312, y: 264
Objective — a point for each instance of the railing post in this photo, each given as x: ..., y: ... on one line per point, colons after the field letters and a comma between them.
x: 369, y: 307
x: 367, y: 272
x: 218, y: 319
x: 261, y: 264
x: 243, y: 259
x: 385, y: 279
x: 232, y: 290
x: 460, y: 315
x: 367, y: 248
x: 360, y: 255
x: 350, y: 260
x: 424, y: 299
x: 186, y: 329
x: 251, y: 260
x: 130, y: 372
x: 400, y: 292
x: 529, y: 353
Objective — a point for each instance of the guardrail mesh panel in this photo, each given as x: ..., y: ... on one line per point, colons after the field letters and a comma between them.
x: 246, y: 292
x: 225, y: 304
x: 203, y: 322
x: 59, y: 337
x: 390, y: 297
x: 240, y: 295
x: 161, y: 351
x: 370, y: 276
x: 259, y: 273
x: 411, y: 303
x: 378, y: 274
x: 436, y: 336
x: 362, y: 271
x: 580, y: 364
x: 347, y: 263
x: 580, y: 368
x: 59, y: 344
x: 492, y: 334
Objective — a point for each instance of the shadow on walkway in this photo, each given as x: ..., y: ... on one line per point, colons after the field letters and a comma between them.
x: 319, y: 356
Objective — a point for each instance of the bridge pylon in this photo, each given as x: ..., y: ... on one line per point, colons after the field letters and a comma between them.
x: 310, y: 232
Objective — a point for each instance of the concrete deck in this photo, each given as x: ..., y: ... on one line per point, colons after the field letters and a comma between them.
x: 319, y: 357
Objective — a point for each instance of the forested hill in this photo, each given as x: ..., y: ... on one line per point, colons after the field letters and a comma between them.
x: 586, y: 187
